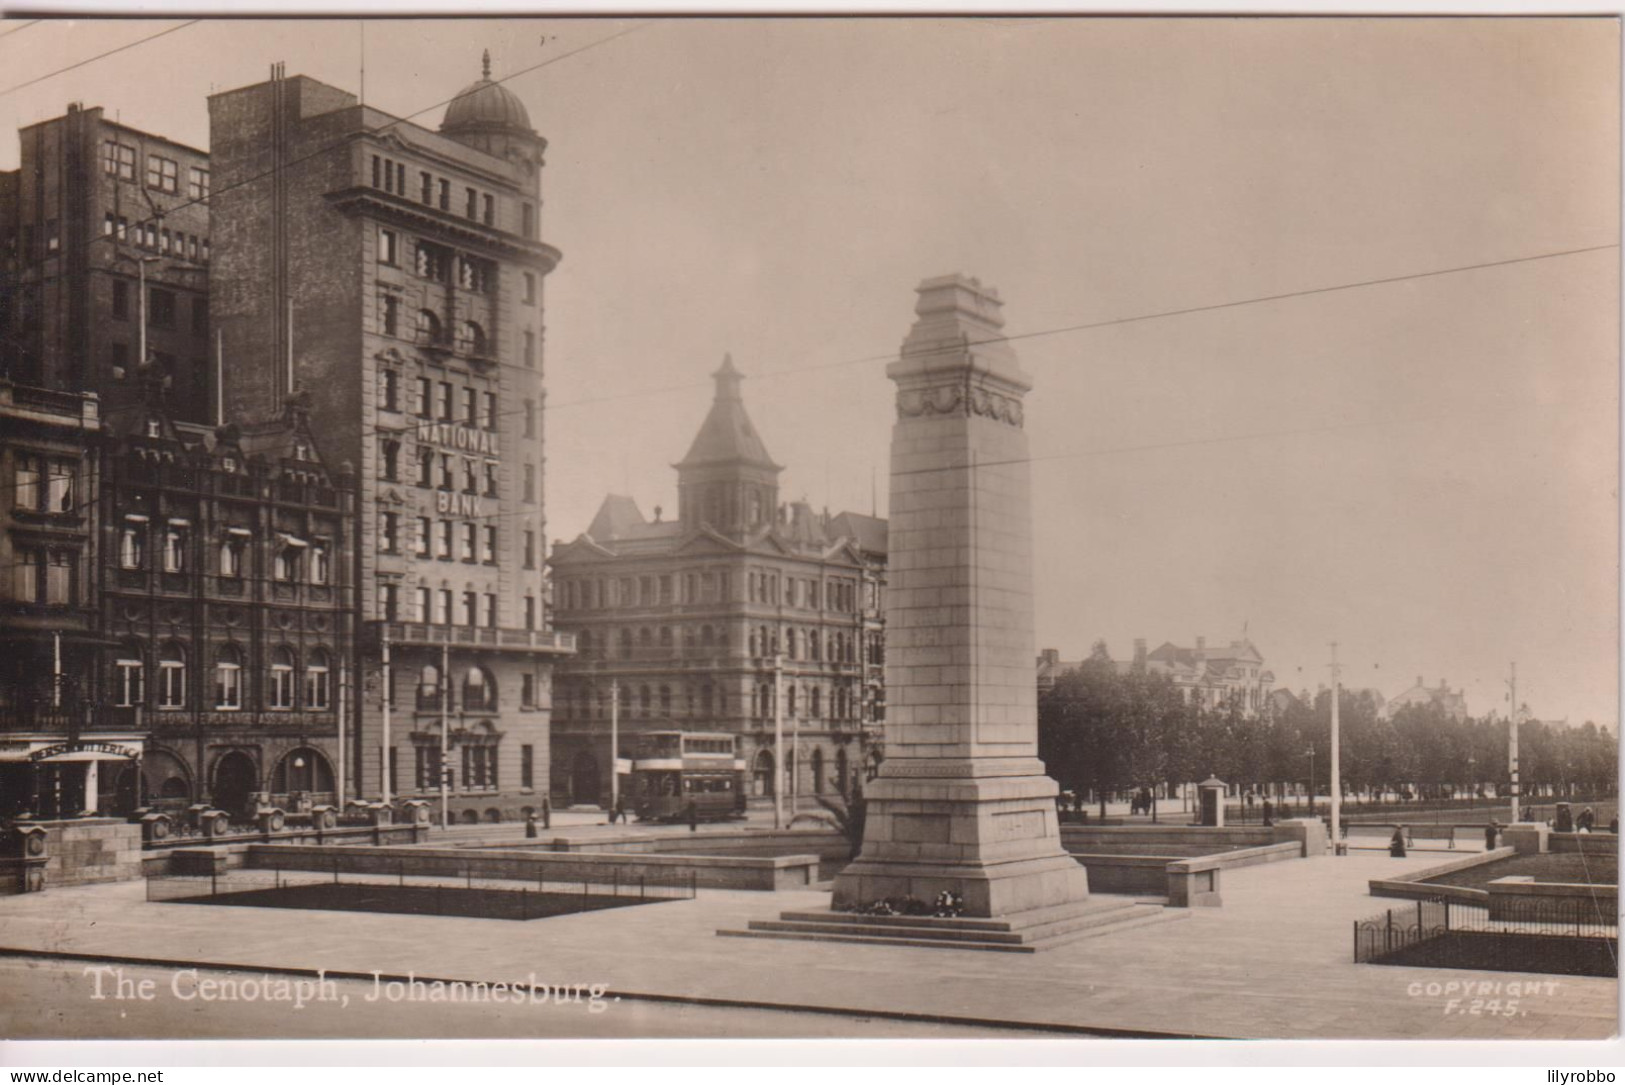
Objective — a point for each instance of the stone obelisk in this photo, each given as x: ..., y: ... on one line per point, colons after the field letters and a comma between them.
x: 961, y: 802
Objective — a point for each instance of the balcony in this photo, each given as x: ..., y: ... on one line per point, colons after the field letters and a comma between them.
x: 485, y: 638
x: 48, y: 720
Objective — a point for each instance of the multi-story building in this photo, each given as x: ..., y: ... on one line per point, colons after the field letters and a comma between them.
x: 1453, y: 702
x: 399, y: 270
x: 691, y: 623
x: 226, y: 603
x: 1211, y: 677
x: 104, y: 250
x: 63, y: 750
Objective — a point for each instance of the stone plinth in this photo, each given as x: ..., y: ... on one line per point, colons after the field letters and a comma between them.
x: 962, y: 802
x: 1527, y: 837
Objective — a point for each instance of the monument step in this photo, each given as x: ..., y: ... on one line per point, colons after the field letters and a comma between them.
x: 868, y: 931
x: 837, y: 934
x: 1039, y: 929
x: 1153, y: 914
x: 1020, y: 921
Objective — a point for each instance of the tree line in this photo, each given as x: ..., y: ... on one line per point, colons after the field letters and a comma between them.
x: 1107, y: 728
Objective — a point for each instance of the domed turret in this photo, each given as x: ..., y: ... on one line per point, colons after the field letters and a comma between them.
x: 487, y: 115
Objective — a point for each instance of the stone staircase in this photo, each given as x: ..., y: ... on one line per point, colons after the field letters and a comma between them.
x: 1025, y: 932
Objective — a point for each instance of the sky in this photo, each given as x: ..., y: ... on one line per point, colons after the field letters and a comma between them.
x: 1424, y: 470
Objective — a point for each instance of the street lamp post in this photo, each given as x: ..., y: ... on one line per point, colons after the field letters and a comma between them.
x: 1311, y: 752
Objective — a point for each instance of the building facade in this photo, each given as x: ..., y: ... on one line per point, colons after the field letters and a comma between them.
x: 706, y: 621
x: 226, y: 603
x: 104, y: 250
x: 64, y: 752
x: 1453, y: 702
x: 399, y: 270
x: 1210, y: 677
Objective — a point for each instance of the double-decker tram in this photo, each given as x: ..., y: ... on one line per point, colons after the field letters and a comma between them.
x: 671, y: 769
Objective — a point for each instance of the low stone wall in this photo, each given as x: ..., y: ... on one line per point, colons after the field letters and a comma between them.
x: 1148, y: 838
x: 705, y: 871
x: 1583, y: 843
x: 1523, y: 898
x: 1141, y: 875
x: 84, y: 851
x: 827, y: 844
x: 1413, y: 886
x: 1184, y: 880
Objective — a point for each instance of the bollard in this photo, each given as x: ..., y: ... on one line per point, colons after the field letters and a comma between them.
x: 641, y: 887
x: 616, y: 884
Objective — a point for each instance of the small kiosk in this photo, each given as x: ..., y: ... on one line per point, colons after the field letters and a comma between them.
x: 1210, y: 805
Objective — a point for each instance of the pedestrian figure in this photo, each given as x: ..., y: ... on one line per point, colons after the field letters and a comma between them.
x: 1269, y: 813
x: 620, y: 808
x: 530, y: 826
x: 1489, y: 834
x: 1613, y: 824
x: 693, y: 817
x: 1396, y: 846
x: 547, y: 813
x: 1587, y: 819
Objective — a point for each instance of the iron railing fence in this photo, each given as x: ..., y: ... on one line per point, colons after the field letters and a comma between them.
x: 1576, y: 936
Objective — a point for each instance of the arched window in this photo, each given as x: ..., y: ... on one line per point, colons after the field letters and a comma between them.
x: 479, y: 690
x: 228, y: 678
x: 231, y: 556
x: 818, y: 770
x: 172, y: 676
x: 390, y: 460
x: 815, y: 707
x: 280, y: 694
x: 665, y: 636
x: 813, y: 646
x: 643, y: 701
x: 626, y: 644
x: 317, y: 683
x: 288, y: 563
x: 428, y: 327
x: 790, y: 703
x: 129, y: 676
x: 471, y: 338
x: 320, y: 568
x: 790, y: 646
x: 429, y: 687
x: 645, y: 638
x: 665, y: 700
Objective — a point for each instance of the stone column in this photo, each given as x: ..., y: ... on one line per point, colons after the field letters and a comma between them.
x: 961, y: 802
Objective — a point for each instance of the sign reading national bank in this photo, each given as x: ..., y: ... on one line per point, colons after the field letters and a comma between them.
x: 459, y: 437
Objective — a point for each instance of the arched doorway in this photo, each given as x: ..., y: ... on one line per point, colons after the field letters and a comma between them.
x: 167, y: 779
x: 235, y: 779
x: 584, y: 785
x: 126, y: 790
x: 762, y: 774
x: 304, y: 770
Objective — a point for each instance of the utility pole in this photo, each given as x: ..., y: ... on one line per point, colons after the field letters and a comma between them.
x: 1512, y: 742
x: 388, y: 691
x: 1337, y: 770
x: 445, y: 734
x: 778, y: 741
x: 614, y: 743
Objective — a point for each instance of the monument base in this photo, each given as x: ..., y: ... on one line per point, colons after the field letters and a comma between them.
x: 985, y: 829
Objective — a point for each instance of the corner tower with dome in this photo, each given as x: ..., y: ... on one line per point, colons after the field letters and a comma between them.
x: 396, y: 273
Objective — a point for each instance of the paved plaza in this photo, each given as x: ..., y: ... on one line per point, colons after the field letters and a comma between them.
x: 1273, y: 962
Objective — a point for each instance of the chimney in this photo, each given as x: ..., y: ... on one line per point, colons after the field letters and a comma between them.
x: 1051, y: 655
x: 1201, y: 644
x: 1139, y: 651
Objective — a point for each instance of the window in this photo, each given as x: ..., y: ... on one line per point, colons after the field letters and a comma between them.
x: 432, y: 262
x: 123, y: 231
x: 443, y: 541
x: 473, y: 275
x: 388, y: 601
x: 129, y: 678
x: 121, y: 300
x: 163, y: 240
x: 163, y: 174
x: 479, y: 766
x: 161, y: 308
x: 425, y: 467
x: 321, y: 571
x: 231, y: 557
x: 377, y: 172
x: 132, y: 550
x: 197, y: 183
x: 471, y: 406
x: 171, y: 677
x: 280, y: 694
x: 528, y: 219
x: 426, y: 186
x: 471, y: 340
x: 529, y: 493
x: 191, y: 247
x: 469, y: 533
x: 473, y: 203
x: 530, y: 418
x: 488, y: 551
x: 175, y: 549
x: 471, y: 609
x: 490, y: 610
x: 317, y: 682
x: 389, y: 532
x: 490, y: 410
x: 527, y: 762
x: 442, y: 613
x: 489, y: 209
x: 445, y: 195
x: 389, y: 386
x: 27, y: 479
x: 118, y: 160
x: 428, y: 328
x: 423, y: 542
x: 288, y: 563
x: 424, y: 605
x: 490, y: 478
x: 447, y: 475
x: 528, y: 348
x: 442, y: 401
x: 428, y: 767
x: 389, y: 312
x: 420, y: 405
x: 27, y: 573
x: 228, y: 679
x: 530, y: 549
x: 530, y: 288
x: 388, y: 248
x: 530, y: 612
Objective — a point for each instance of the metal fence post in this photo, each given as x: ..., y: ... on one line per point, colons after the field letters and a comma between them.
x: 641, y: 887
x: 1388, y: 939
x: 615, y: 890
x: 212, y: 883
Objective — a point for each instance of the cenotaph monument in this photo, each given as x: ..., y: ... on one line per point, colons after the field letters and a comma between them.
x: 961, y: 802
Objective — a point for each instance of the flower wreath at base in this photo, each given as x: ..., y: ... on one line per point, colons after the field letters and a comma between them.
x: 947, y: 905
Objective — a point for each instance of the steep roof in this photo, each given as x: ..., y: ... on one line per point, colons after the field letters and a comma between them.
x: 727, y: 435
x: 868, y: 531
